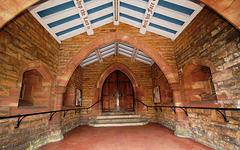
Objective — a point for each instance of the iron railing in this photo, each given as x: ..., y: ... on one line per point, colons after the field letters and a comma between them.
x: 221, y: 110
x: 21, y: 117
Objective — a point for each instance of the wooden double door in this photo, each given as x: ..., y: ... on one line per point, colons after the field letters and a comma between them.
x: 117, y: 93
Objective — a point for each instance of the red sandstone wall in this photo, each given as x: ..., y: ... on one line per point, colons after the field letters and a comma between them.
x: 23, y: 41
x: 167, y: 117
x: 210, y: 37
x: 72, y: 119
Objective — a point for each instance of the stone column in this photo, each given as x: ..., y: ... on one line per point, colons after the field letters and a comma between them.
x: 182, y: 127
x: 55, y: 124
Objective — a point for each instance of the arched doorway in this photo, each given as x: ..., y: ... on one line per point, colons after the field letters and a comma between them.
x: 117, y: 93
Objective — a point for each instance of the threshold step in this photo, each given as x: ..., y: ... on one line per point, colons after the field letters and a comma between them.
x: 117, y: 113
x: 119, y: 120
x: 118, y: 124
x: 118, y: 116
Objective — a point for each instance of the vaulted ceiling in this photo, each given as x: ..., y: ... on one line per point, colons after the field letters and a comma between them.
x: 64, y: 19
x: 117, y: 48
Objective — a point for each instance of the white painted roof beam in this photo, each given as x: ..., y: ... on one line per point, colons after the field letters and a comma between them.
x: 67, y: 25
x: 125, y: 54
x: 161, y: 32
x: 125, y: 47
x: 171, y: 13
x: 106, y: 48
x: 144, y: 61
x: 84, y: 16
x: 102, y: 22
x: 137, y: 3
x: 131, y: 12
x: 49, y: 4
x: 184, y: 3
x: 165, y: 24
x: 89, y: 59
x: 92, y: 4
x: 90, y: 62
x: 60, y: 15
x: 71, y: 34
x: 150, y: 9
x: 124, y: 50
x: 93, y: 53
x: 109, y: 54
x: 100, y: 13
x: 145, y: 58
x: 130, y: 22
x: 155, y: 20
x: 108, y: 51
x: 142, y: 53
x: 159, y: 9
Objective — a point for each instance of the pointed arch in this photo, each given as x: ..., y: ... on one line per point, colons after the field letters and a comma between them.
x: 169, y: 71
x: 124, y: 69
x: 191, y: 65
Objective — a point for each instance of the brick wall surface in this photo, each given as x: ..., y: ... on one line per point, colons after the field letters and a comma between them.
x: 33, y: 132
x: 24, y: 40
x: 72, y: 119
x: 211, y: 37
x: 166, y: 117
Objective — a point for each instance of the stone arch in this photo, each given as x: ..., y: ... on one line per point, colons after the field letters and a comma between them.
x: 42, y: 69
x: 187, y: 69
x: 197, y: 81
x: 107, y: 71
x: 169, y: 71
x: 15, y: 92
x: 37, y: 84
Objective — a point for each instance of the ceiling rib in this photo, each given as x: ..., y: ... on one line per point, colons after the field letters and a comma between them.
x: 99, y: 56
x: 148, y: 15
x: 116, y: 6
x: 134, y: 54
x: 63, y: 20
x: 113, y: 49
x: 116, y: 44
x: 84, y: 16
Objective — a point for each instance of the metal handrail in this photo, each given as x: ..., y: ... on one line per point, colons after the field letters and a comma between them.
x: 221, y: 110
x: 21, y: 117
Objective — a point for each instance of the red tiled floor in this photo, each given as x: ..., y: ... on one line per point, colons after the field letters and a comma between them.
x: 148, y: 137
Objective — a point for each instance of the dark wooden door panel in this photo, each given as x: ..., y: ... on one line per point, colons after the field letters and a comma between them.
x: 117, y: 93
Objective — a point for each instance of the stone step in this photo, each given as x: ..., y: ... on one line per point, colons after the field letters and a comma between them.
x: 119, y: 120
x: 111, y: 119
x: 117, y: 116
x: 117, y: 124
x: 117, y: 113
